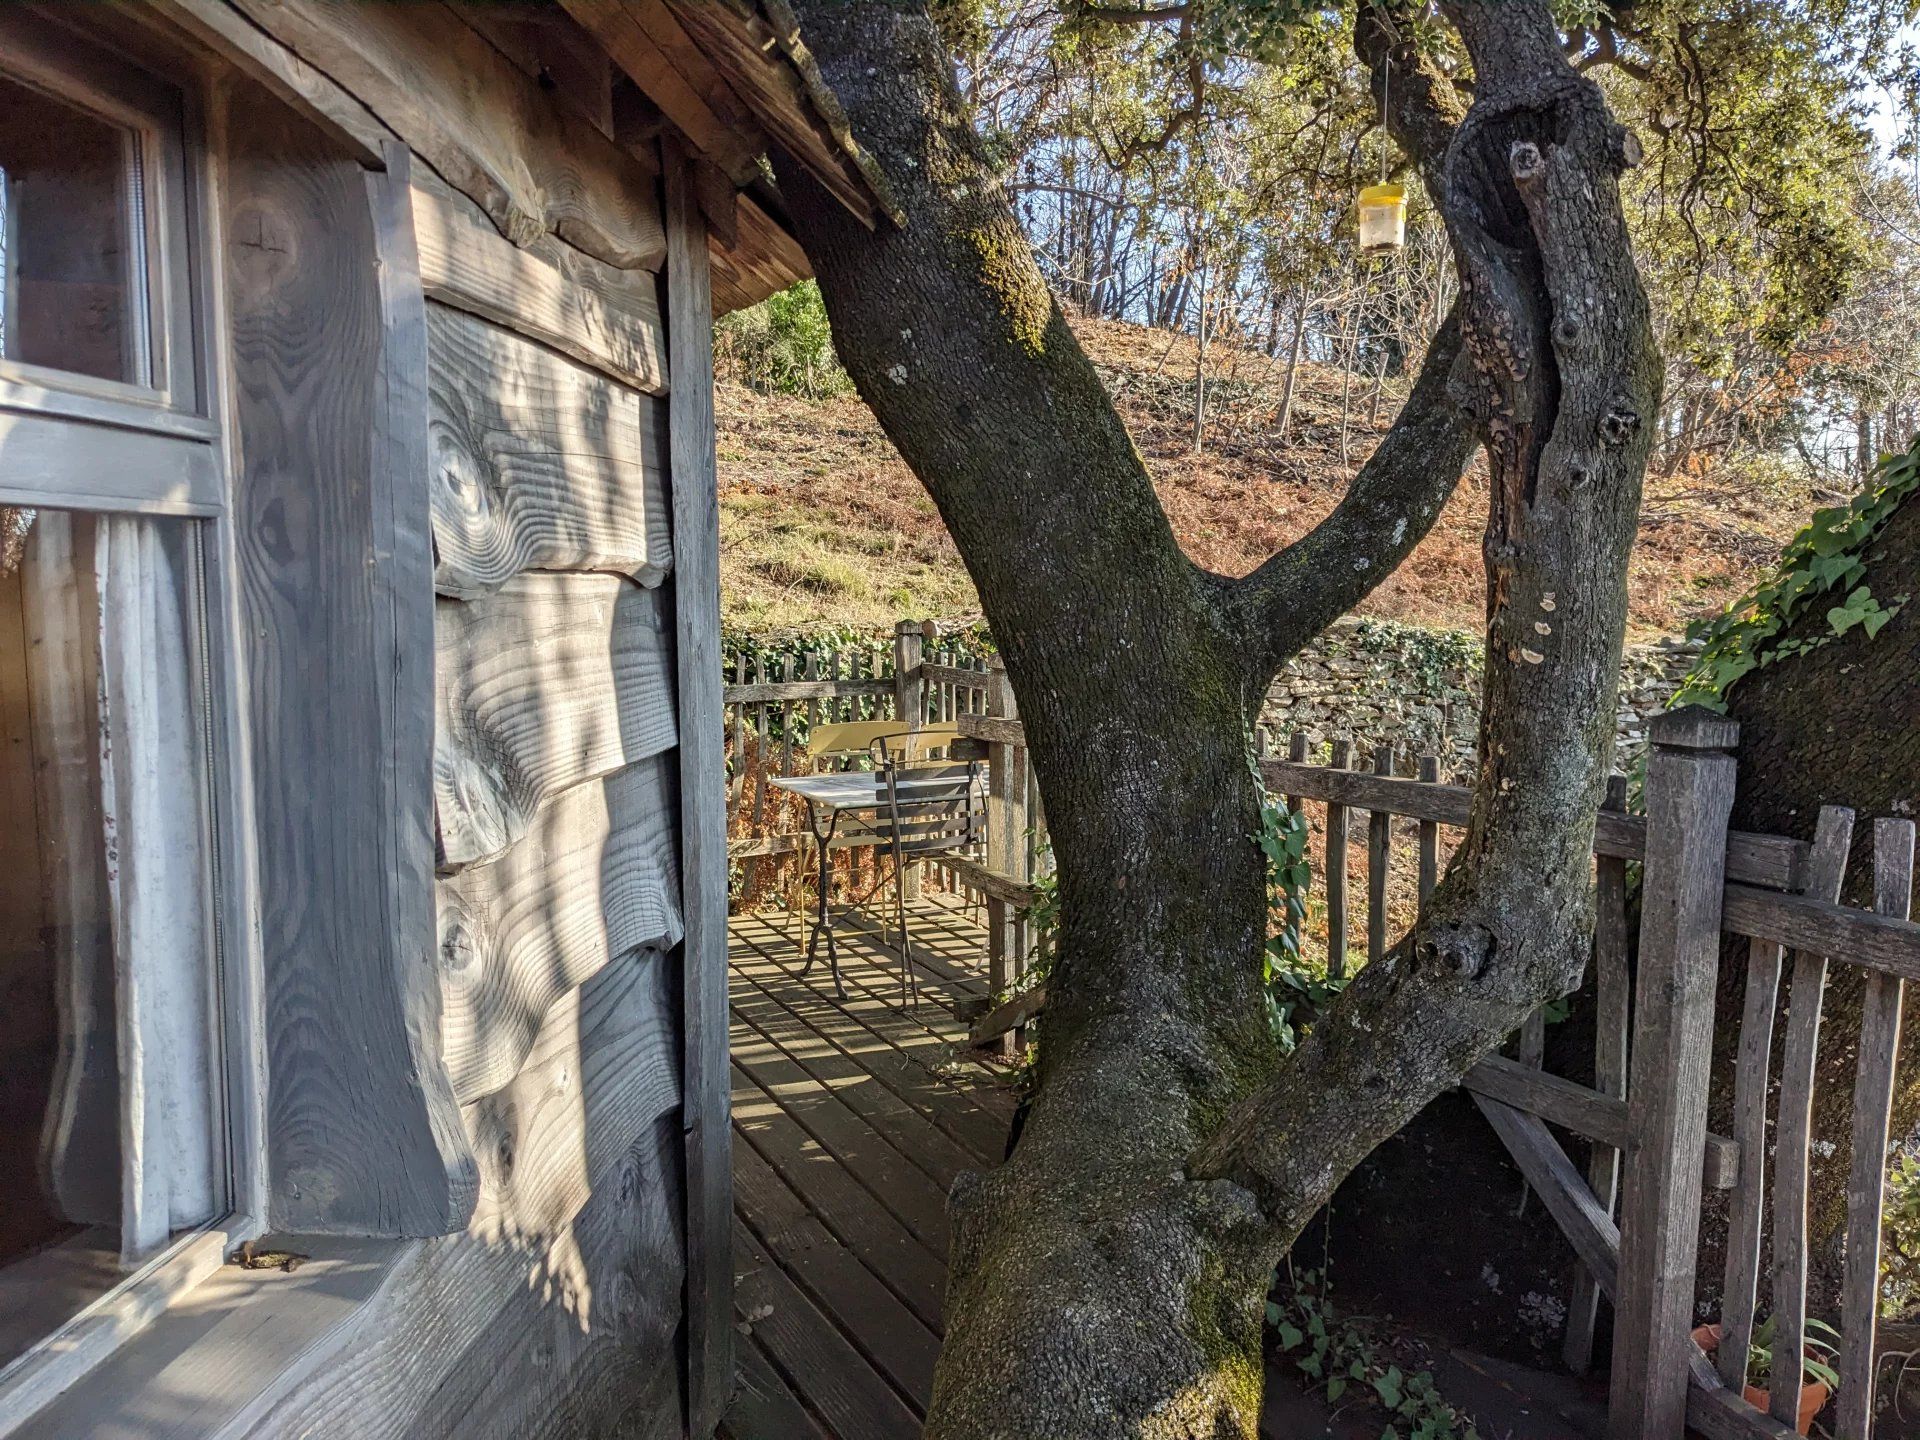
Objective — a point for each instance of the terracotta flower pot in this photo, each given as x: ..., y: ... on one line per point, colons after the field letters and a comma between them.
x: 1813, y: 1395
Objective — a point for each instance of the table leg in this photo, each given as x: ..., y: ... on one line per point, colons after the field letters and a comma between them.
x: 823, y: 918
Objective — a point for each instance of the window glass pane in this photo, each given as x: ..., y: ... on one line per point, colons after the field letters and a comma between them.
x: 105, y: 917
x: 72, y: 278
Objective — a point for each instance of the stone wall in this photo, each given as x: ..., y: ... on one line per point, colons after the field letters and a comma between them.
x: 1375, y: 681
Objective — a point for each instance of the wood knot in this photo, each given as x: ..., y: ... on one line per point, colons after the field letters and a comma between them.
x: 1623, y: 148
x: 1526, y: 161
x: 1618, y: 424
x: 1566, y: 330
x: 1462, y: 949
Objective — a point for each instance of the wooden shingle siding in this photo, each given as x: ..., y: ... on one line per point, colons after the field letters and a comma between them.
x: 595, y: 878
x: 548, y: 291
x: 538, y: 463
x: 553, y: 681
x: 535, y: 167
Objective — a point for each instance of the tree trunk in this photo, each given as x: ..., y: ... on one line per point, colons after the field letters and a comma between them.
x: 1836, y: 725
x: 1109, y: 1279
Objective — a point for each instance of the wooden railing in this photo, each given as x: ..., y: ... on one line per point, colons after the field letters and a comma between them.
x: 1647, y: 1128
x: 926, y: 680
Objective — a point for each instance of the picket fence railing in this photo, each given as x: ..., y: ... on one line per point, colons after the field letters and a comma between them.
x: 927, y: 679
x: 1645, y: 1115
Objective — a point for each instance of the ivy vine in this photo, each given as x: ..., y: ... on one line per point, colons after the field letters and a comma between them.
x: 1294, y: 992
x: 1823, y: 560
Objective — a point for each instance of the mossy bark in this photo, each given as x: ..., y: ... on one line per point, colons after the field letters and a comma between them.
x: 1109, y: 1280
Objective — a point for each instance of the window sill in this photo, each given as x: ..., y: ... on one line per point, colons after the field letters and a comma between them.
x: 222, y: 1351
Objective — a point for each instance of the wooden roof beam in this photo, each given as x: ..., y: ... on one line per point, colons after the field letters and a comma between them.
x: 651, y: 47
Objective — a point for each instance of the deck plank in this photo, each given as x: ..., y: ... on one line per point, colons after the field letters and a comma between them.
x: 939, y: 1157
x: 820, y: 1365
x: 934, y: 1037
x: 851, y: 1118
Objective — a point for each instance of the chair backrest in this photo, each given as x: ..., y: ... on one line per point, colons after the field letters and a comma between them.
x: 934, y: 806
x: 858, y: 739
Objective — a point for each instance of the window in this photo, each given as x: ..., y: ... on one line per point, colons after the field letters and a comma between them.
x: 113, y: 1126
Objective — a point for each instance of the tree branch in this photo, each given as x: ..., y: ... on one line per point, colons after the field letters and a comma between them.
x: 1389, y: 507
x: 1392, y: 503
x: 1565, y: 370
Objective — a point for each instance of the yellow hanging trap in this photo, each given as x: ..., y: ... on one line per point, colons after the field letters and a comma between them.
x: 1383, y: 219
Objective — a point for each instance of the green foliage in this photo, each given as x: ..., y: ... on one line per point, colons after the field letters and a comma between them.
x: 1824, y: 559
x: 1340, y: 1355
x: 783, y: 346
x: 1822, y: 1343
x: 1900, y: 1230
x: 1295, y: 992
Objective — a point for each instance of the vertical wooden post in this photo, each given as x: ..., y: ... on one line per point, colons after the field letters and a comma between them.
x: 703, y: 826
x: 1337, y: 871
x: 1297, y: 753
x: 1379, y: 856
x: 1612, y: 1015
x: 1001, y: 841
x: 1690, y: 778
x: 909, y: 705
x: 1429, y: 835
x: 1872, y: 1102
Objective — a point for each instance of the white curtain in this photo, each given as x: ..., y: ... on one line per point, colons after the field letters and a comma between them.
x: 151, y: 786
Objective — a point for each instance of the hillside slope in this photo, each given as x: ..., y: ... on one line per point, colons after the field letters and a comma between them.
x: 823, y: 524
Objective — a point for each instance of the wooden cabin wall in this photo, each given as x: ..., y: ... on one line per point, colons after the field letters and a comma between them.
x: 559, y: 1308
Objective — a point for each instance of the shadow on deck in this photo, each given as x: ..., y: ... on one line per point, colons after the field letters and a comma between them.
x: 851, y: 1118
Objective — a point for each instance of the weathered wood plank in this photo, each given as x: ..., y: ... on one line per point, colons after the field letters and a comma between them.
x: 1379, y: 856
x: 538, y: 464
x: 905, y: 1191
x: 994, y: 729
x: 647, y: 43
x: 832, y: 1377
x: 292, y: 80
x: 902, y: 1346
x: 595, y: 878
x: 763, y: 1407
x: 1598, y: 1117
x: 1867, y: 1172
x: 702, y: 769
x: 329, y: 360
x: 1613, y: 1018
x: 547, y: 291
x: 1772, y: 861
x: 846, y: 1207
x: 1336, y: 868
x: 1429, y: 835
x: 786, y: 690
x: 533, y: 165
x: 1580, y: 1216
x: 758, y: 1017
x: 552, y: 681
x: 1833, y: 836
x: 1690, y: 781
x: 1793, y: 1126
x: 1880, y: 942
x: 561, y: 1332
x: 902, y: 1056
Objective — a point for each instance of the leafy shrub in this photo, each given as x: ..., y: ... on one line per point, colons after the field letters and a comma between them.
x: 782, y: 346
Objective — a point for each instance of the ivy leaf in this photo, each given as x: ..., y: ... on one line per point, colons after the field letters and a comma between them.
x: 1336, y: 1387
x: 1388, y: 1387
x: 1289, y: 1337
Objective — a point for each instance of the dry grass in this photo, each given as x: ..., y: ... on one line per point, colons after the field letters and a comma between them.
x: 821, y: 522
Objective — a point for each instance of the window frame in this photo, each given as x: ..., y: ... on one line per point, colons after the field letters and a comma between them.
x: 108, y: 447
x: 148, y: 446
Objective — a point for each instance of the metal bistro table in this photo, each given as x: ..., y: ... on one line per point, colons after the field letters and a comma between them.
x: 858, y: 796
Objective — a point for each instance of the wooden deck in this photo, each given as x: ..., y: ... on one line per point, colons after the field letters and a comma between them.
x: 850, y: 1120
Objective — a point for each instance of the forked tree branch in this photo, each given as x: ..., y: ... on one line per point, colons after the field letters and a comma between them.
x: 1564, y: 370
x: 1393, y: 502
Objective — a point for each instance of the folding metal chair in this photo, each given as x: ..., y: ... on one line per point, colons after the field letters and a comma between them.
x: 933, y: 806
